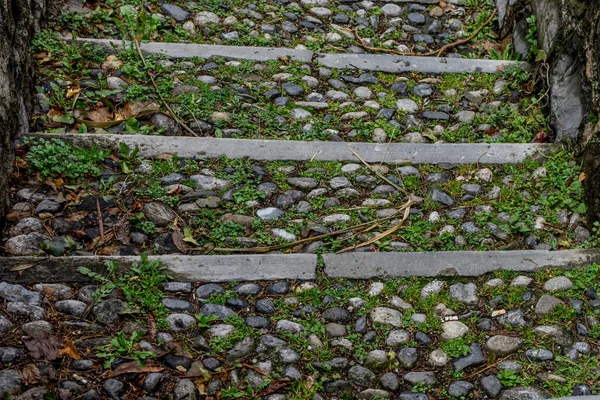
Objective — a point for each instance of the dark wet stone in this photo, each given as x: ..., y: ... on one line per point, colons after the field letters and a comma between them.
x: 360, y: 326
x: 336, y: 386
x: 460, y: 389
x: 278, y: 288
x: 203, y: 292
x: 211, y: 364
x: 491, y: 385
x: 441, y: 197
x: 257, y: 322
x: 114, y: 388
x: 400, y: 87
x: 108, y: 312
x: 337, y: 314
x: 173, y: 361
x: 474, y: 358
x: 176, y: 12
x: 264, y: 306
x: 178, y: 305
x: 237, y: 304
x: 436, y: 115
x: 217, y: 310
x: 422, y: 339
x: 153, y: 381
x: 292, y: 89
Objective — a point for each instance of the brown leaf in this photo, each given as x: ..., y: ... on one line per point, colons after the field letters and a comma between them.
x: 581, y: 177
x: 72, y: 92
x: 69, y: 349
x: 101, y: 115
x: 274, y: 387
x: 174, y: 191
x: 176, y: 348
x: 109, y: 251
x: 165, y: 156
x: 152, y: 329
x: 77, y: 216
x: 30, y: 374
x: 138, y: 108
x: 17, y: 215
x: 134, y: 368
x: 112, y: 62
x: 179, y: 243
x: 540, y: 137
x: 122, y: 234
x: 45, y: 348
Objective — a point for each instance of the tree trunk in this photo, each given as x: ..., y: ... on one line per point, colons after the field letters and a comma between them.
x: 19, y: 20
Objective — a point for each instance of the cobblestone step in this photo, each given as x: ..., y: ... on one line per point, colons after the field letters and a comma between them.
x: 421, y: 27
x: 507, y: 335
x: 418, y: 100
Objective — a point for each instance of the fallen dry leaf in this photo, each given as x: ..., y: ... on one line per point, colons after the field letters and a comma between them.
x: 69, y: 350
x: 30, y: 374
x: 138, y: 108
x: 134, y: 368
x: 582, y: 177
x: 101, y: 115
x: 72, y: 92
x: 45, y: 348
x: 179, y: 243
x: 112, y: 62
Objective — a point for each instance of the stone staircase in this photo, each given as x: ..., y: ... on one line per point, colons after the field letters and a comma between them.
x: 369, y: 210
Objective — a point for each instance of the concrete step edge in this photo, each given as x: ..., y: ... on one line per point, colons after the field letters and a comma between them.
x: 275, y: 150
x: 182, y: 268
x: 368, y: 62
x: 451, y: 263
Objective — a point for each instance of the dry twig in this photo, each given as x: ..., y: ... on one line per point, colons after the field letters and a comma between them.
x: 437, y: 53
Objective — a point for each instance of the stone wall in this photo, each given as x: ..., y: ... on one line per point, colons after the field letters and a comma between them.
x: 569, y: 35
x: 19, y: 19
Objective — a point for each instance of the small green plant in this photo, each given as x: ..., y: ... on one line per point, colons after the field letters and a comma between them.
x: 144, y: 226
x: 141, y: 284
x: 128, y: 158
x: 455, y: 348
x: 509, y: 378
x: 506, y: 54
x: 54, y: 158
x: 120, y: 346
x: 205, y: 320
x: 594, y: 331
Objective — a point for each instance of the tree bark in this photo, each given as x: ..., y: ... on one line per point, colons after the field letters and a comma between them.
x: 19, y: 20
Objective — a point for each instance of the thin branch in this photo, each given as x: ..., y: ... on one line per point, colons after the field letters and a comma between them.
x: 437, y: 53
x: 382, y: 234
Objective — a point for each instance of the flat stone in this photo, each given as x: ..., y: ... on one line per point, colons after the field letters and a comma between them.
x: 180, y: 322
x: 427, y: 378
x: 524, y: 393
x: 216, y: 310
x: 559, y: 283
x: 453, y: 330
x: 386, y: 316
x: 474, y: 358
x: 547, y: 304
x: 501, y: 344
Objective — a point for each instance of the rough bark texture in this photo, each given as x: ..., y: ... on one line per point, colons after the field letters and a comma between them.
x: 19, y: 20
x: 568, y: 32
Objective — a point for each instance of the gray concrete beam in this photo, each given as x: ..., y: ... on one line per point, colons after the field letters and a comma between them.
x: 429, y: 65
x: 274, y: 150
x: 206, y: 51
x: 460, y: 263
x: 228, y: 268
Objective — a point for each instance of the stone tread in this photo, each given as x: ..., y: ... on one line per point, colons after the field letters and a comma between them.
x: 273, y: 150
